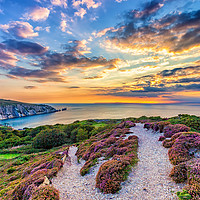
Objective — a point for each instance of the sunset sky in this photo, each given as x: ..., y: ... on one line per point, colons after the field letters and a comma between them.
x: 88, y: 51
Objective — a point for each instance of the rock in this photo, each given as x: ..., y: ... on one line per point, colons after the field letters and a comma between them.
x: 46, y: 181
x: 64, y: 158
x: 14, y: 109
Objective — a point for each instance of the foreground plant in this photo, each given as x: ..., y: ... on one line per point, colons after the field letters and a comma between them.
x: 184, y: 155
x: 183, y: 195
x: 31, y: 179
x: 122, y: 154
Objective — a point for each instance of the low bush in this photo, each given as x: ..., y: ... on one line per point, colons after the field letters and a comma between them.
x: 183, y: 147
x: 170, y: 130
x: 49, y: 138
x: 179, y: 173
x: 45, y: 193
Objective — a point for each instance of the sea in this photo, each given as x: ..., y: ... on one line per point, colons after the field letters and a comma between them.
x: 76, y: 112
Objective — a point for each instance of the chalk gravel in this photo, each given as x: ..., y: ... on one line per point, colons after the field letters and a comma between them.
x: 149, y: 179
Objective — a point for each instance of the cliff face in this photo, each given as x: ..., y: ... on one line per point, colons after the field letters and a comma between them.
x: 18, y: 109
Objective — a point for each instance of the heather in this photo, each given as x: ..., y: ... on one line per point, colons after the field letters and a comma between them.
x: 25, y: 176
x: 184, y: 150
x: 31, y: 157
x: 120, y: 152
x: 184, y: 154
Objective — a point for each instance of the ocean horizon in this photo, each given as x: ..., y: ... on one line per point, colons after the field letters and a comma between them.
x: 101, y: 111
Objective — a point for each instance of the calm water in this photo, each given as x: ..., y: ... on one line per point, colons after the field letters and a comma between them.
x: 101, y: 111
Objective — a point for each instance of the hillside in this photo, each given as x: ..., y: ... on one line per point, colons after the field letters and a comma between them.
x: 132, y: 158
x: 14, y: 109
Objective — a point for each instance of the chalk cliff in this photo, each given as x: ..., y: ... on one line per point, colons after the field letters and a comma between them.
x: 13, y: 109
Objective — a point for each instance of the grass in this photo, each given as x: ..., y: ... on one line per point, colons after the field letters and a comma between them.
x: 99, y: 125
x: 8, y: 156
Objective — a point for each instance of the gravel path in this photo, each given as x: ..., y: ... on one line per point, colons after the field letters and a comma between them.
x: 148, y: 181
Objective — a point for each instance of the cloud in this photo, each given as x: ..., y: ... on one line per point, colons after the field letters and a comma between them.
x: 94, y: 77
x: 74, y: 57
x: 63, y: 25
x: 7, y: 59
x: 104, y: 31
x: 41, y: 75
x: 119, y: 1
x: 23, y: 47
x: 80, y: 13
x: 74, y: 87
x: 49, y: 66
x: 19, y: 29
x: 82, y: 5
x: 89, y: 3
x: 162, y: 83
x: 142, y: 33
x: 39, y: 28
x: 30, y: 87
x: 59, y: 3
x: 38, y: 14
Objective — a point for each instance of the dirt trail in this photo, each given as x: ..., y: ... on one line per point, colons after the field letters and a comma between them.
x: 148, y: 181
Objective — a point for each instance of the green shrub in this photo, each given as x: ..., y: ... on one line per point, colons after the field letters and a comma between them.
x: 183, y: 195
x: 82, y: 134
x: 49, y: 138
x: 10, y: 170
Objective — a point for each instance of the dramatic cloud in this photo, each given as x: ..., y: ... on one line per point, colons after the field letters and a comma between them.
x: 51, y: 65
x: 164, y: 82
x: 40, y: 75
x: 140, y: 33
x: 19, y: 29
x: 59, y: 3
x: 23, y: 47
x: 38, y: 14
x: 7, y: 59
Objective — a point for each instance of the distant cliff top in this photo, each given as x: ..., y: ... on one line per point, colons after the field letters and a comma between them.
x: 4, y: 102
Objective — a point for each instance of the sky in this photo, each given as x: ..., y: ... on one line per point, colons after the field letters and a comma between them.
x: 100, y: 51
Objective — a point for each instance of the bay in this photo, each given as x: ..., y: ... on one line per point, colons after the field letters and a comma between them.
x: 101, y: 111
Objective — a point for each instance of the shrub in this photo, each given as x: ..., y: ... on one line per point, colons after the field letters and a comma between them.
x: 45, y: 193
x: 179, y: 173
x: 170, y: 130
x: 161, y: 138
x: 49, y: 138
x: 129, y: 124
x: 167, y: 143
x: 183, y: 195
x: 180, y: 150
x: 82, y: 134
x: 110, y: 176
x: 193, y: 174
x: 10, y: 170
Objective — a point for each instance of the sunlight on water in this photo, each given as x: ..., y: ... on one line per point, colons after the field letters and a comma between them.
x: 101, y: 111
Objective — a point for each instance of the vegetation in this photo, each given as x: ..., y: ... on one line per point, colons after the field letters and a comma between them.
x: 4, y: 102
x: 8, y: 156
x: 122, y: 154
x: 29, y: 156
x: 184, y: 152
